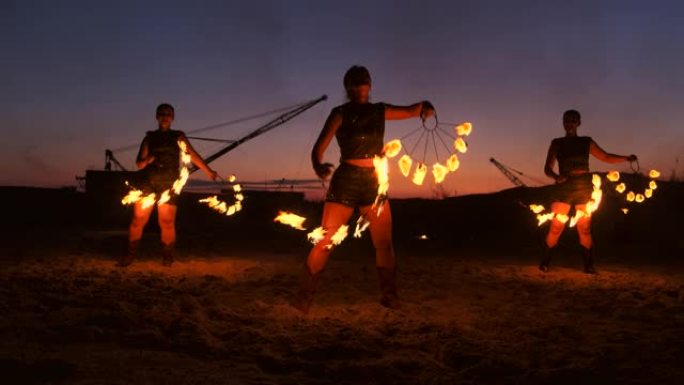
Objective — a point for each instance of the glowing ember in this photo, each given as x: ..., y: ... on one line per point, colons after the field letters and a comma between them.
x: 232, y: 178
x: 639, y: 198
x: 464, y: 129
x: 405, y: 163
x: 423, y: 237
x: 653, y: 174
x: 316, y: 235
x: 392, y: 148
x: 648, y: 193
x: 460, y: 145
x: 419, y: 174
x: 631, y: 196
x: 440, y: 172
x: 536, y: 208
x: 613, y: 176
x: 290, y: 219
x: 621, y: 188
x: 653, y: 185
x: 625, y: 210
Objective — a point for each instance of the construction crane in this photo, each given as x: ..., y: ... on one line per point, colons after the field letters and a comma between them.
x: 279, y: 120
x: 509, y: 173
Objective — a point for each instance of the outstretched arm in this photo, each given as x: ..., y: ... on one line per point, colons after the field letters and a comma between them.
x: 422, y: 109
x: 144, y: 158
x: 551, y: 162
x: 600, y: 154
x: 331, y: 125
x: 197, y: 159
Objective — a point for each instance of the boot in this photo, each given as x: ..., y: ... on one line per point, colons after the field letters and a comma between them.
x: 131, y: 254
x: 587, y: 256
x: 309, y: 285
x: 546, y: 259
x: 388, y: 287
x: 167, y: 254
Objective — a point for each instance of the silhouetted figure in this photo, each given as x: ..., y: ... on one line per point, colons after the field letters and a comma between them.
x: 574, y: 184
x: 359, y: 127
x: 159, y: 162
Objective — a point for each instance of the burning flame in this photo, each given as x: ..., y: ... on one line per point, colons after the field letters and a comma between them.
x: 648, y: 193
x: 464, y: 129
x: 621, y: 188
x: 440, y: 172
x: 625, y: 210
x: 578, y: 215
x: 316, y: 235
x: 405, y: 164
x: 338, y: 237
x: 290, y: 219
x: 221, y: 206
x: 653, y: 174
x: 613, y: 176
x: 536, y: 208
x: 419, y: 174
x: 453, y: 163
x: 653, y: 185
x: 460, y: 145
x: 392, y: 148
x: 639, y: 198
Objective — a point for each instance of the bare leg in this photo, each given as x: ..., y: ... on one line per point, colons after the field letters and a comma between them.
x: 555, y: 231
x: 381, y: 234
x: 167, y: 224
x: 584, y: 232
x: 135, y: 229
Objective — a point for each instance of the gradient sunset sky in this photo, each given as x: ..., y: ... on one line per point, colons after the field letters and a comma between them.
x: 78, y: 77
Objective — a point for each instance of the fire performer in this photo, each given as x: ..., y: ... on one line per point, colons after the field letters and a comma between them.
x: 359, y: 127
x: 158, y: 160
x: 573, y: 185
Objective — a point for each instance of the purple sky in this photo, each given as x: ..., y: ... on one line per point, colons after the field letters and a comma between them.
x: 80, y: 76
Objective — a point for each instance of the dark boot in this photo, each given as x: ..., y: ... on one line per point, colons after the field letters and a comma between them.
x: 131, y: 254
x: 388, y: 288
x: 546, y: 259
x: 588, y: 257
x: 167, y: 254
x: 304, y: 296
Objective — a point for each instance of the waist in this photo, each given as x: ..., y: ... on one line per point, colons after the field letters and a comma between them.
x: 359, y: 162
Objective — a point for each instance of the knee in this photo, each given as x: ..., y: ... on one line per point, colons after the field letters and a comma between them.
x: 137, y: 222
x: 167, y: 224
x: 556, y: 228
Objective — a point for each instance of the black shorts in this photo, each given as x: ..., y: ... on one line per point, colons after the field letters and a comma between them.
x: 158, y: 183
x: 353, y: 186
x: 575, y: 191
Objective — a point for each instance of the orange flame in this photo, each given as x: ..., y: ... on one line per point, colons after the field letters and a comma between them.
x: 460, y: 145
x: 440, y: 172
x: 464, y: 129
x: 338, y: 237
x: 405, y: 163
x: 290, y: 219
x: 653, y: 174
x: 625, y: 210
x: 639, y: 198
x: 613, y: 176
x: 536, y: 208
x: 419, y: 174
x: 648, y: 193
x: 453, y: 163
x: 631, y: 196
x: 621, y: 188
x: 392, y: 148
x: 653, y: 185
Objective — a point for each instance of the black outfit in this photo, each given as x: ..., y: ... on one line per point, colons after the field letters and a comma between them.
x: 159, y: 175
x: 572, y: 153
x: 360, y: 136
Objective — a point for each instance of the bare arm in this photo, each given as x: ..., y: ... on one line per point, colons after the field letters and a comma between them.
x: 600, y: 154
x: 422, y: 109
x: 197, y: 159
x: 144, y: 158
x: 551, y: 162
x: 331, y: 125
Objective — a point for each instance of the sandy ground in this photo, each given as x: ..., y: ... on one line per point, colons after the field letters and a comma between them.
x: 221, y: 317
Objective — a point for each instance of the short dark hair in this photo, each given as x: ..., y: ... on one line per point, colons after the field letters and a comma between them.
x: 356, y: 76
x: 165, y: 106
x: 572, y: 113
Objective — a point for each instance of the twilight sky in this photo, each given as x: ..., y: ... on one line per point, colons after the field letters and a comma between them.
x: 77, y: 77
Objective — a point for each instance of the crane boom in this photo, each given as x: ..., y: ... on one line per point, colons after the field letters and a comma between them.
x: 508, y: 173
x: 281, y: 119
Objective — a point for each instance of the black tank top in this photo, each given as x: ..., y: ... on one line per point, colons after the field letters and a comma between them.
x: 163, y: 145
x: 361, y: 133
x: 572, y: 153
